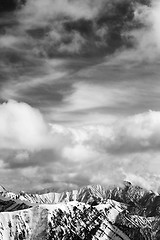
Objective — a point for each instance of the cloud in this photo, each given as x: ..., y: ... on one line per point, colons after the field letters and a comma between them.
x: 146, y: 40
x: 89, y: 96
x: 104, y: 150
x: 79, y: 153
x: 74, y: 46
x: 124, y: 149
x: 115, y: 152
x: 9, y: 41
x: 22, y: 127
x: 47, y: 73
x: 150, y: 40
x: 40, y: 13
x: 68, y: 27
x: 137, y: 133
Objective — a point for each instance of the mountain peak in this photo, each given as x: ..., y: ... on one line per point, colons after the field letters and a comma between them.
x: 91, y: 212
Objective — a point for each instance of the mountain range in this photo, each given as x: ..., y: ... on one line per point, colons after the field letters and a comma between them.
x: 92, y: 212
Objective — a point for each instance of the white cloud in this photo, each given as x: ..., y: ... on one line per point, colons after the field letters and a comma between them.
x: 2, y: 164
x: 112, y: 153
x: 137, y: 133
x: 87, y: 96
x: 144, y: 180
x: 79, y: 153
x: 22, y: 127
x: 106, y: 154
x: 22, y: 156
x: 9, y: 41
x: 147, y: 38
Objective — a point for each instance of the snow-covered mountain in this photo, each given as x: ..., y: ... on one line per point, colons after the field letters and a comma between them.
x: 92, y: 212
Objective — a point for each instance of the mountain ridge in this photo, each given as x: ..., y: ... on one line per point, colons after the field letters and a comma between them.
x: 91, y: 212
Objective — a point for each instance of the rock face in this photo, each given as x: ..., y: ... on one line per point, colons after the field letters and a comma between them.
x: 92, y: 212
x: 72, y: 220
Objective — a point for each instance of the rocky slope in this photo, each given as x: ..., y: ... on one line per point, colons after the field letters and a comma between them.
x: 92, y: 212
x: 65, y: 221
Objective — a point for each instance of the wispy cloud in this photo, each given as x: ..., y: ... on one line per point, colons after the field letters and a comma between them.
x: 87, y: 96
x: 49, y: 73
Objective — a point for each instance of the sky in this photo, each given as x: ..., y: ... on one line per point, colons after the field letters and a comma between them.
x: 79, y: 93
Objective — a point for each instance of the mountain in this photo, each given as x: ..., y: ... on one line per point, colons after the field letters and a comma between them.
x: 139, y: 200
x: 91, y: 212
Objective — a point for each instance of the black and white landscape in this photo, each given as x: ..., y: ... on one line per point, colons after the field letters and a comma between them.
x: 79, y: 119
x: 92, y: 212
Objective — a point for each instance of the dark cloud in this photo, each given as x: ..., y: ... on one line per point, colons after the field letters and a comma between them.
x: 8, y: 5
x: 30, y: 36
x: 101, y: 34
x: 99, y: 29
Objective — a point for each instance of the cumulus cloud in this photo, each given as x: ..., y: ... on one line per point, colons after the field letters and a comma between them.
x: 22, y: 127
x: 125, y: 149
x: 137, y: 133
x: 107, y: 152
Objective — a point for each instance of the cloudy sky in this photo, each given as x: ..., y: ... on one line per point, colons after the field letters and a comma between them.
x: 79, y: 93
